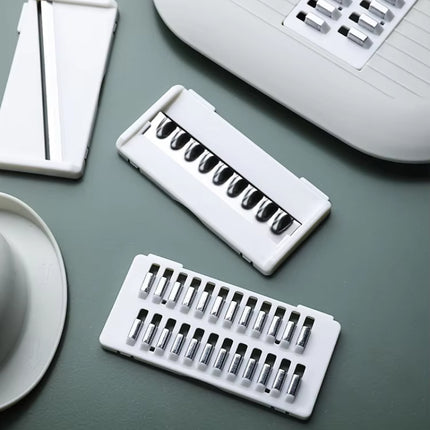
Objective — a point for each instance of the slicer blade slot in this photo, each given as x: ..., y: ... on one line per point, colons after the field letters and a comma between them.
x: 49, y: 85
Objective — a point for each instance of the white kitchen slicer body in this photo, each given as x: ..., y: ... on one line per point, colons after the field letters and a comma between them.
x: 51, y: 97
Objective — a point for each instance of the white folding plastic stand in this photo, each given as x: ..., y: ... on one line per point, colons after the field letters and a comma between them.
x: 51, y: 98
x: 185, y: 147
x: 245, y: 343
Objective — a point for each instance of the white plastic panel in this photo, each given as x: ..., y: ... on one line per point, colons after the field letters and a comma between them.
x: 247, y: 344
x: 381, y: 109
x: 374, y: 20
x: 83, y: 32
x: 296, y: 204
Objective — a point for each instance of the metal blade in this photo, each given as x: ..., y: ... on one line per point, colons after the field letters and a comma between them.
x: 51, y: 111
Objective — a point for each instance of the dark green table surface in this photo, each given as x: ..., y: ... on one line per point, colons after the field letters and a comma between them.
x: 368, y: 264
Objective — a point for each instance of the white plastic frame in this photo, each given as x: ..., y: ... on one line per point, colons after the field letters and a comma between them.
x: 381, y: 110
x: 83, y: 38
x: 315, y: 356
x: 222, y: 214
x: 341, y: 46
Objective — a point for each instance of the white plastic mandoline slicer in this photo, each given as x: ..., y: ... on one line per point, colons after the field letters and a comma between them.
x: 256, y: 205
x: 51, y: 97
x: 239, y: 341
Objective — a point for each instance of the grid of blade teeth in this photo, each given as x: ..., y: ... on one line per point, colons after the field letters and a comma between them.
x: 180, y: 139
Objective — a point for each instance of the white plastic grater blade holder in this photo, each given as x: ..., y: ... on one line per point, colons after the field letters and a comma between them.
x: 313, y: 359
x: 221, y: 214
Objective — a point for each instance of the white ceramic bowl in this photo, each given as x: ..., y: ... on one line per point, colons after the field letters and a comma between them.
x: 13, y: 299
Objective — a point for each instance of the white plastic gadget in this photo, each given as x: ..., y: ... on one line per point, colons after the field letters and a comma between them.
x: 33, y: 299
x: 359, y: 69
x: 51, y: 97
x: 247, y: 344
x: 237, y: 190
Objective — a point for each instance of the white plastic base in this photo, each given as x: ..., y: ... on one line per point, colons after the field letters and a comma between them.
x: 381, y: 109
x: 277, y: 356
x: 223, y: 214
x: 35, y: 317
x: 83, y: 35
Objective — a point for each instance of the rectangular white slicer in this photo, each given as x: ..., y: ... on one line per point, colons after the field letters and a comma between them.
x: 51, y: 98
x: 359, y: 69
x: 236, y: 189
x: 241, y: 342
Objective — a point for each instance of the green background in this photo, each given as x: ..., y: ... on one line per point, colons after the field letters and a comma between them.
x: 368, y: 264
